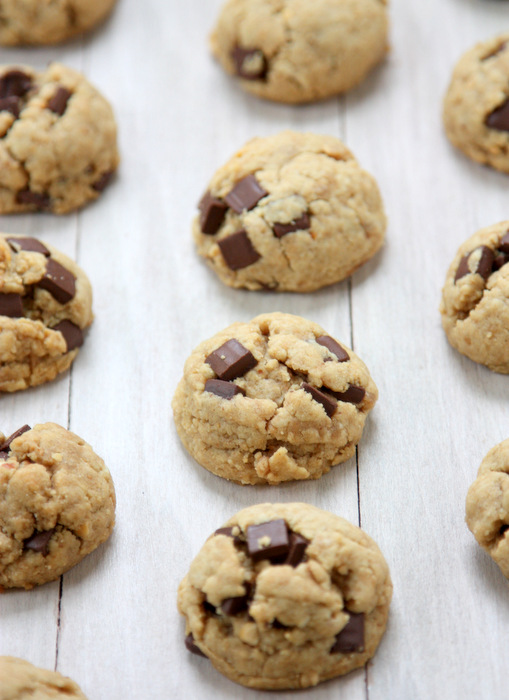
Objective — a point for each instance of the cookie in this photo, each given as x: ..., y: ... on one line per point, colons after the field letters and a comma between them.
x: 43, y: 22
x: 58, y: 140
x: 57, y: 504
x: 286, y: 596
x: 475, y: 298
x: 300, y: 51
x: 45, y: 304
x: 487, y: 507
x: 476, y: 106
x: 20, y: 680
x: 290, y: 212
x: 272, y: 400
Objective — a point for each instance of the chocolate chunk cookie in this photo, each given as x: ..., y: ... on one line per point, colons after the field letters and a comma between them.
x: 300, y: 51
x: 290, y: 212
x: 476, y: 106
x: 58, y: 140
x: 19, y: 680
x: 45, y: 304
x: 286, y: 596
x: 475, y: 298
x: 57, y: 504
x: 272, y: 400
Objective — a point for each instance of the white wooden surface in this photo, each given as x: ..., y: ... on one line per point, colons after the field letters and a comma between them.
x: 111, y: 623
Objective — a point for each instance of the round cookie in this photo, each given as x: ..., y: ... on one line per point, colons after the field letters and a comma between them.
x: 476, y: 106
x: 49, y: 22
x: 20, y: 680
x: 57, y: 504
x: 286, y: 596
x: 290, y: 212
x: 299, y: 51
x: 45, y: 303
x: 58, y: 140
x: 275, y: 399
x: 487, y: 506
x: 475, y: 298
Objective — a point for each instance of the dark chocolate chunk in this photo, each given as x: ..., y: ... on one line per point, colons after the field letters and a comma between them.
x: 208, y: 607
x: 334, y: 347
x: 504, y: 243
x: 16, y: 83
x: 228, y: 532
x: 268, y: 540
x: 39, y: 541
x: 503, y: 529
x: 245, y: 195
x: 301, y: 224
x: 499, y: 118
x: 58, y: 281
x: 29, y: 244
x: 328, y: 402
x: 484, y: 265
x: 58, y: 103
x: 250, y: 64
x: 226, y: 390
x: 103, y: 181
x: 11, y: 305
x: 38, y: 199
x: 234, y: 606
x: 192, y: 647
x: 351, y: 637
x: 10, y: 104
x: 231, y: 360
x: 354, y: 394
x: 501, y: 259
x: 238, y: 251
x: 212, y: 213
x: 3, y: 455
x: 73, y: 335
x: 297, y: 549
x: 7, y: 442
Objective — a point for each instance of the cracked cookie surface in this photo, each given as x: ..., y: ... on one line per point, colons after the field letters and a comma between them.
x: 45, y: 304
x: 57, y: 504
x: 20, y: 680
x: 58, y: 140
x: 476, y: 106
x: 289, y: 212
x: 487, y: 505
x: 298, y: 51
x: 275, y: 399
x: 286, y: 596
x: 475, y: 298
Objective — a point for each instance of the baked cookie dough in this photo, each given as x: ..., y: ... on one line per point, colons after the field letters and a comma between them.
x: 487, y: 508
x: 290, y: 212
x: 275, y: 399
x: 286, y: 596
x: 20, y: 680
x: 476, y: 106
x: 58, y: 140
x: 300, y: 51
x: 45, y: 303
x: 475, y: 298
x: 57, y: 504
x: 48, y: 21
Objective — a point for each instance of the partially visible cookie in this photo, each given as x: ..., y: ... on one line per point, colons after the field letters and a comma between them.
x: 275, y: 399
x: 45, y: 304
x: 289, y: 212
x: 300, y: 51
x: 57, y: 504
x: 476, y: 106
x: 475, y: 298
x: 58, y: 140
x: 20, y: 680
x: 487, y: 507
x: 286, y: 596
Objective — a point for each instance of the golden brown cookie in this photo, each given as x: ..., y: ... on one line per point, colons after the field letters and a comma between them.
x: 19, y: 680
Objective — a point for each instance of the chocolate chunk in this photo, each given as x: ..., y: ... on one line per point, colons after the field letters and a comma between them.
x: 38, y: 199
x: 268, y: 540
x: 10, y: 104
x: 226, y: 390
x: 351, y: 637
x: 11, y: 305
x: 503, y: 529
x: 58, y: 281
x: 501, y: 259
x: 328, y: 402
x: 334, y: 347
x: 212, y: 213
x: 16, y: 83
x: 504, y: 243
x: 39, y: 542
x: 103, y: 181
x: 3, y: 455
x: 297, y: 549
x: 301, y: 224
x: 192, y: 647
x: 58, y: 103
x: 7, y: 442
x: 228, y: 532
x: 484, y: 264
x: 234, y: 606
x: 73, y: 335
x: 499, y: 118
x: 208, y: 607
x: 250, y: 64
x: 231, y: 360
x: 238, y: 251
x: 245, y: 195
x: 29, y: 244
x: 354, y: 394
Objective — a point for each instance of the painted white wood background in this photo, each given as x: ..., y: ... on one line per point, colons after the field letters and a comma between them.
x: 111, y: 623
